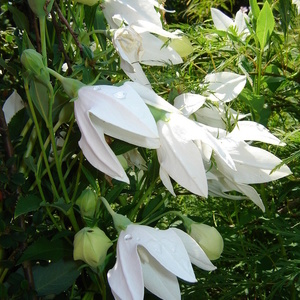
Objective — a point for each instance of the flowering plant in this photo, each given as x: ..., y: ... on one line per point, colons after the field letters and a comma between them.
x: 121, y: 138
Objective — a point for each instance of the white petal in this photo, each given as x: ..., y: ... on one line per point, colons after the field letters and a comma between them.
x: 156, y: 53
x: 221, y: 21
x: 240, y: 22
x: 165, y: 179
x: 181, y: 159
x: 138, y: 75
x: 158, y: 280
x: 151, y: 98
x: 224, y: 86
x: 166, y: 247
x: 188, y: 103
x: 253, y: 164
x: 126, y: 278
x: 122, y: 114
x: 252, y: 131
x: 94, y: 146
x: 130, y: 10
x: 196, y: 254
x: 12, y: 105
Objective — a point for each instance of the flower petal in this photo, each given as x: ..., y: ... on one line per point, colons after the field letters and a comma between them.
x: 181, y: 158
x: 224, y: 86
x: 252, y: 131
x: 221, y: 21
x: 12, y: 105
x: 166, y: 247
x: 189, y: 103
x: 158, y: 280
x: 126, y: 278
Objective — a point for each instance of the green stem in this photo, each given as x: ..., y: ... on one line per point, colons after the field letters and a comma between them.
x: 42, y: 22
x: 37, y: 127
x: 258, y: 79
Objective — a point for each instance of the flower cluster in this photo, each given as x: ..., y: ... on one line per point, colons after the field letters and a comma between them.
x: 193, y: 144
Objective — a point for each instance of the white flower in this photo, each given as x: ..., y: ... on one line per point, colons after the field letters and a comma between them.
x: 223, y: 22
x: 151, y: 258
x: 143, y: 47
x: 118, y: 112
x: 12, y: 105
x: 297, y: 3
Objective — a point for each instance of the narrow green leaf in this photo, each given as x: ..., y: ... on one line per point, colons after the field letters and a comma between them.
x: 254, y: 8
x: 55, y: 278
x: 44, y: 249
x: 265, y: 25
x: 29, y: 161
x: 27, y: 204
x: 40, y: 98
x: 19, y: 18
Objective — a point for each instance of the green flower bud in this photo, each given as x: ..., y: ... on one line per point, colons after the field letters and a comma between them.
x: 66, y: 113
x: 71, y: 86
x: 91, y: 245
x: 88, y: 2
x: 181, y: 45
x: 87, y: 203
x: 41, y: 7
x: 208, y: 238
x: 33, y: 62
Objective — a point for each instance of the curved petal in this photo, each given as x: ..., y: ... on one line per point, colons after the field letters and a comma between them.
x: 158, y: 280
x: 181, y: 159
x: 252, y: 131
x: 189, y: 103
x: 165, y: 247
x: 221, y: 21
x: 12, y: 105
x: 151, y: 98
x: 122, y: 114
x: 165, y: 179
x: 196, y: 254
x: 126, y: 277
x: 224, y: 86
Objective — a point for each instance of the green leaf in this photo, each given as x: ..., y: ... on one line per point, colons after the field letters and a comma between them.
x: 29, y: 161
x: 44, y: 249
x: 265, y: 25
x: 19, y: 18
x: 254, y: 8
x: 40, y: 98
x: 55, y: 278
x: 27, y: 204
x: 59, y: 204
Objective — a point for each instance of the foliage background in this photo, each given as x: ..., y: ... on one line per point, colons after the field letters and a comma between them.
x: 261, y: 258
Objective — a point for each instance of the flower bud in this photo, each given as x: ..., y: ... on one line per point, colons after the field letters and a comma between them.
x: 88, y: 2
x: 91, y: 245
x: 71, y: 86
x: 33, y: 62
x: 41, y: 7
x: 181, y: 45
x: 208, y: 238
x: 87, y: 203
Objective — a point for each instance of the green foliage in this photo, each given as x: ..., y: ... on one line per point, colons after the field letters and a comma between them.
x: 41, y: 180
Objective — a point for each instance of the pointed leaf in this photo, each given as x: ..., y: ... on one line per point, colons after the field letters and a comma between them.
x: 27, y: 204
x: 265, y: 25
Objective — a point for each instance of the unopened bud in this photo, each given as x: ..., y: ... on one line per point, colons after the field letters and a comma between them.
x: 88, y: 2
x: 181, y: 45
x: 209, y: 239
x: 41, y: 7
x: 33, y: 62
x: 87, y: 203
x: 91, y: 245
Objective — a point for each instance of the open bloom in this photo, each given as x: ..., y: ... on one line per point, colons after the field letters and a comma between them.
x: 137, y: 25
x: 152, y: 258
x: 118, y: 112
x: 223, y: 22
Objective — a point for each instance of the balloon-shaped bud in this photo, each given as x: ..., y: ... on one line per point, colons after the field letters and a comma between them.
x: 88, y: 2
x: 33, y: 62
x: 209, y: 239
x: 41, y: 7
x: 88, y: 203
x: 91, y: 245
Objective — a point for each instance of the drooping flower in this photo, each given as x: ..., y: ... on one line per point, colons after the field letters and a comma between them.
x: 118, y: 112
x: 91, y: 245
x: 297, y: 3
x: 152, y: 258
x: 223, y: 22
x: 137, y: 25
